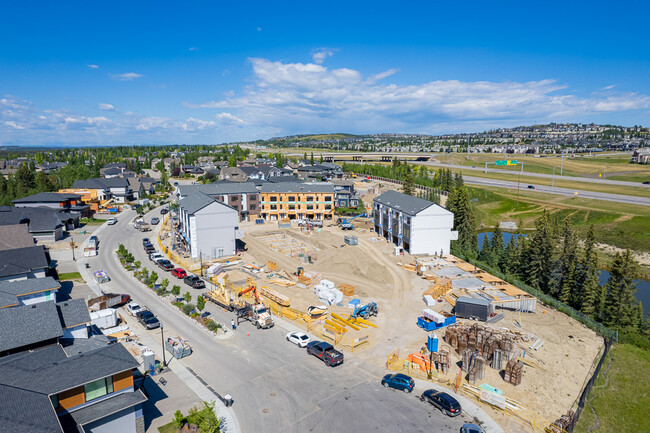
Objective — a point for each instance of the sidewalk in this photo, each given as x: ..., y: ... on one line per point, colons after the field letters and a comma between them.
x: 469, y: 407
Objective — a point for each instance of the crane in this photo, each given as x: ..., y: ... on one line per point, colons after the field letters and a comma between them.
x: 251, y: 288
x: 346, y: 223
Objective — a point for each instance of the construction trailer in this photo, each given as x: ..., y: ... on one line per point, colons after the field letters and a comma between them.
x: 475, y: 309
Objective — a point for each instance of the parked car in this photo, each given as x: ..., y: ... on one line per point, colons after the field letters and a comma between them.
x: 398, y: 381
x: 154, y: 221
x: 194, y: 281
x: 112, y: 221
x: 148, y: 319
x: 149, y: 248
x: 298, y: 338
x: 175, y: 183
x: 93, y: 239
x: 471, y: 428
x: 325, y: 352
x: 156, y: 256
x: 164, y: 211
x: 531, y: 186
x: 145, y: 241
x: 165, y: 265
x: 179, y: 273
x: 443, y: 401
x: 134, y: 308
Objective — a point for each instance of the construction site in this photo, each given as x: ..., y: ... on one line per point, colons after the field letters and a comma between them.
x: 436, y: 318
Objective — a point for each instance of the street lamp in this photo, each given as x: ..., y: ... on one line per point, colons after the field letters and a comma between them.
x: 162, y: 336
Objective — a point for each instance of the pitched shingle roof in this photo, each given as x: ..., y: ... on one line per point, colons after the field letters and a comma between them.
x: 15, y: 236
x: 39, y: 218
x: 73, y: 313
x: 406, y: 203
x: 219, y: 188
x: 22, y: 260
x: 28, y: 324
x: 195, y: 202
x: 10, y: 290
x: 101, y: 183
x: 48, y: 197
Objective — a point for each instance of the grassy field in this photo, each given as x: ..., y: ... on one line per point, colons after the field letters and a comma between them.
x: 66, y: 276
x: 616, y: 166
x: 618, y: 224
x: 622, y: 406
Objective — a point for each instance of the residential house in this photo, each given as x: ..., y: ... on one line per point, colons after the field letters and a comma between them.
x: 15, y: 236
x: 344, y: 193
x: 192, y: 169
x: 23, y: 263
x: 284, y: 178
x: 242, y: 196
x: 416, y: 225
x: 28, y: 291
x: 233, y: 174
x: 319, y: 170
x: 113, y: 169
x: 208, y: 226
x: 92, y: 392
x: 116, y: 188
x: 55, y: 200
x: 297, y: 201
x: 140, y: 186
x: 29, y: 327
x: 44, y: 223
x: 75, y: 319
x: 50, y: 167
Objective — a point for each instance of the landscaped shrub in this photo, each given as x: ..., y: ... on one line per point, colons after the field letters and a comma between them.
x: 188, y: 308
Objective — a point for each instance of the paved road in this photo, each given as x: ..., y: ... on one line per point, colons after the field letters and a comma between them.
x: 562, y: 191
x: 275, y: 385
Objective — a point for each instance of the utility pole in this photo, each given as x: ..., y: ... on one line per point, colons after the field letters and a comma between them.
x: 162, y: 337
x: 562, y: 162
x: 486, y: 167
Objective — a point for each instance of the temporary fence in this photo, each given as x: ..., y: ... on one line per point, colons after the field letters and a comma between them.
x: 400, y: 182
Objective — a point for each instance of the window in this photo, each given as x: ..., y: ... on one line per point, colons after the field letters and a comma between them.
x: 310, y: 207
x: 292, y: 198
x: 251, y: 207
x: 328, y: 198
x: 234, y: 198
x: 98, y: 388
x: 328, y: 207
x: 292, y: 207
x: 273, y: 198
x: 310, y: 198
x: 274, y: 207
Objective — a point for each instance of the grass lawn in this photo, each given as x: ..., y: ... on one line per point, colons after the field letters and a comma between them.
x: 623, y: 405
x: 91, y: 222
x: 66, y: 276
x: 168, y: 428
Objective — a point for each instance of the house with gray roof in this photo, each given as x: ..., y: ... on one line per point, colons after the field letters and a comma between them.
x: 418, y: 226
x: 15, y: 236
x: 46, y: 391
x: 55, y: 200
x: 75, y: 318
x: 242, y: 196
x: 28, y: 291
x: 29, y: 326
x: 44, y: 223
x: 208, y: 228
x: 115, y: 188
x: 23, y: 263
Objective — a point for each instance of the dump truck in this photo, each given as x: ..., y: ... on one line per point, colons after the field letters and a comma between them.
x: 107, y: 301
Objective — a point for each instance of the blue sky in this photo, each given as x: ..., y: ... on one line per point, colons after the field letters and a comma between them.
x: 92, y: 73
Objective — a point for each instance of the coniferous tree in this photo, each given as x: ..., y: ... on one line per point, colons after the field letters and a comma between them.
x: 458, y: 180
x: 588, y: 297
x: 485, y: 254
x: 498, y: 249
x: 539, y: 255
x: 621, y: 309
x: 409, y: 185
x: 567, y: 266
x: 459, y: 204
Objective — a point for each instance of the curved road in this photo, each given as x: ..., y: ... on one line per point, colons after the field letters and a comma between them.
x: 276, y: 386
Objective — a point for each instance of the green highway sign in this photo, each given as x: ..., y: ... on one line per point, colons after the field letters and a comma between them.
x: 506, y: 162
x: 501, y: 162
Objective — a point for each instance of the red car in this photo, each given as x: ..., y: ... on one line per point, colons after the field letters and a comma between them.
x: 179, y: 273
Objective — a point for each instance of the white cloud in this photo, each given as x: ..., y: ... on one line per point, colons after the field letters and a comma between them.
x: 194, y: 49
x: 229, y: 118
x: 93, y: 66
x: 321, y: 54
x: 301, y: 97
x: 127, y: 76
x: 105, y: 107
x: 192, y: 124
x: 14, y: 124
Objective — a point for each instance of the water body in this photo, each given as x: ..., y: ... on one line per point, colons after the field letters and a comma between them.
x: 642, y: 295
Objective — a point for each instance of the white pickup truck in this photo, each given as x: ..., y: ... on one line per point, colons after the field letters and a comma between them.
x: 112, y: 221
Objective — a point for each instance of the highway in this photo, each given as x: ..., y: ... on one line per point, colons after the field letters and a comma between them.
x: 276, y: 386
x: 569, y: 192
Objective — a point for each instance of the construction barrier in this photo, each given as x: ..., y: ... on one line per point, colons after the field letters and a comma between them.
x: 356, y: 344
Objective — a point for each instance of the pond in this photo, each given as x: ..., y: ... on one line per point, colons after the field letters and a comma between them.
x: 642, y: 295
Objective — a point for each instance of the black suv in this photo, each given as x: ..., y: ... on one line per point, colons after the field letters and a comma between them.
x: 194, y: 281
x: 148, y: 319
x: 443, y: 401
x: 145, y: 241
x: 165, y: 265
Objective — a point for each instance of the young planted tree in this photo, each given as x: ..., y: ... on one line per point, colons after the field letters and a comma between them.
x: 164, y: 283
x: 153, y: 277
x: 200, y: 303
x: 187, y: 297
x: 176, y: 290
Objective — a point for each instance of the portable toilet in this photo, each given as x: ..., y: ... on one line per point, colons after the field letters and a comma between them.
x: 432, y: 342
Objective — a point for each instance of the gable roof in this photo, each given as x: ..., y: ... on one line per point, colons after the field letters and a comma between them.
x: 289, y: 187
x: 38, y: 218
x: 22, y: 260
x: 195, y: 202
x: 73, y: 313
x: 28, y: 324
x: 101, y: 183
x: 48, y: 197
x: 283, y: 179
x: 15, y: 236
x: 406, y: 203
x: 219, y: 188
x: 10, y: 290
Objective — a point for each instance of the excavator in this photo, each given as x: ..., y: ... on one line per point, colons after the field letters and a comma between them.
x: 257, y: 313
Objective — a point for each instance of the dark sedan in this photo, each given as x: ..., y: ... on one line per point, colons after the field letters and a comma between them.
x: 443, y: 401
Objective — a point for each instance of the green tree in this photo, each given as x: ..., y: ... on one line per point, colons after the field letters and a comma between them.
x: 176, y: 290
x: 408, y: 187
x: 187, y: 297
x: 498, y: 249
x: 311, y: 159
x: 153, y: 277
x: 137, y: 265
x: 567, y: 266
x: 621, y: 308
x: 589, y: 294
x: 539, y: 255
x: 232, y: 161
x: 43, y: 182
x: 164, y: 283
x: 179, y: 419
x: 25, y: 179
x: 458, y: 202
x: 200, y: 303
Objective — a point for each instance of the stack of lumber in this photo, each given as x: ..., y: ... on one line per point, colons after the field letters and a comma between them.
x: 347, y: 289
x: 409, y: 267
x: 283, y: 282
x: 276, y: 297
x: 271, y: 266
